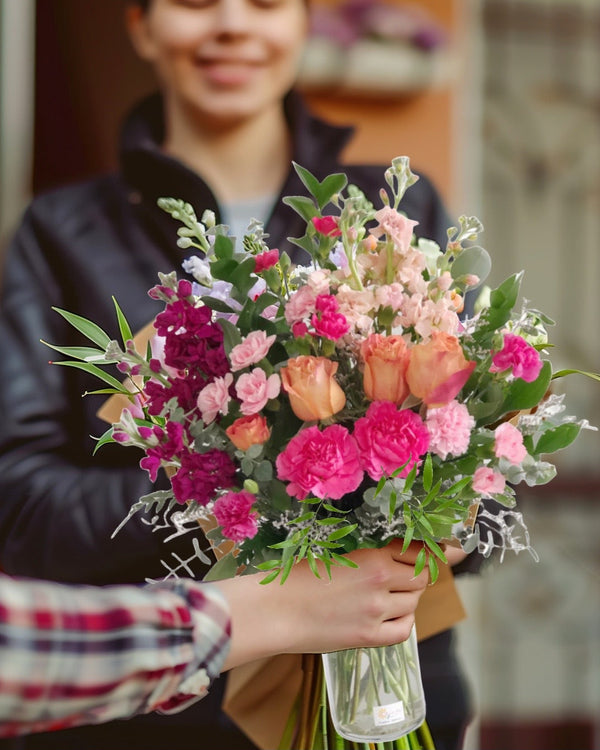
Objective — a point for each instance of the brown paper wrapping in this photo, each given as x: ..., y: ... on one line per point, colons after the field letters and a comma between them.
x: 259, y: 696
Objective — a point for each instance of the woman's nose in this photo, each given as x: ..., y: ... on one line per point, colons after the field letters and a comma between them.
x: 233, y: 17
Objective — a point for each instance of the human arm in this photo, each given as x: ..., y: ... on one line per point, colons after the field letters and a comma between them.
x: 74, y: 655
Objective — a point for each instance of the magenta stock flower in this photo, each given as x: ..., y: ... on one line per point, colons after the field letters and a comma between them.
x: 233, y: 512
x: 169, y: 446
x: 449, y: 429
x: 325, y: 463
x: 516, y: 355
x: 201, y: 474
x: 508, y: 443
x: 389, y: 438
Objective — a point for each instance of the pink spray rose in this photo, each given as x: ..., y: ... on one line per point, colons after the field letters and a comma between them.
x: 254, y: 389
x: 327, y: 225
x: 266, y: 260
x: 449, y: 429
x: 389, y: 438
x: 233, y: 513
x: 508, y: 443
x: 488, y: 482
x: 518, y: 356
x: 324, y: 464
x: 215, y: 398
x: 251, y: 350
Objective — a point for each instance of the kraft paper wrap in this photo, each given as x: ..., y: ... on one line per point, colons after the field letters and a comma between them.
x: 259, y: 696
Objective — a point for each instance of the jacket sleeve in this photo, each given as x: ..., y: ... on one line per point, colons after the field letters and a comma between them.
x: 59, y: 504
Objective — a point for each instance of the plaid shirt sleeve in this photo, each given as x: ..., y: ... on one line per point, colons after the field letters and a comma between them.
x: 74, y: 655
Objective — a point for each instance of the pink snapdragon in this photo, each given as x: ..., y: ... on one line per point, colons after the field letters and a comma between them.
x: 516, y: 355
x: 389, y: 438
x: 233, y: 512
x: 251, y: 350
x: 488, y: 482
x: 449, y: 429
x: 324, y: 463
x: 254, y: 389
x: 508, y: 443
x: 215, y: 398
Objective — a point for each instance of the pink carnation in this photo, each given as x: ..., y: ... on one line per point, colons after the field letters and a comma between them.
x: 389, y: 438
x: 233, y: 513
x: 325, y: 463
x: 449, y: 429
x: 266, y: 260
x: 251, y: 350
x: 300, y: 305
x: 327, y: 225
x: 215, y: 398
x: 488, y: 482
x: 519, y: 357
x: 254, y: 389
x: 509, y: 443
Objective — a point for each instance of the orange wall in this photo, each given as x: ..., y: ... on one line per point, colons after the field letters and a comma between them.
x: 419, y: 125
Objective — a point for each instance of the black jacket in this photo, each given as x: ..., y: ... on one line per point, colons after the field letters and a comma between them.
x: 75, y: 249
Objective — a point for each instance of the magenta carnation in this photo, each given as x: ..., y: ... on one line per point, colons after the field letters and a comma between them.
x: 325, y: 463
x: 518, y: 356
x: 233, y: 514
x: 327, y: 225
x: 389, y: 438
x: 449, y: 429
x: 201, y: 474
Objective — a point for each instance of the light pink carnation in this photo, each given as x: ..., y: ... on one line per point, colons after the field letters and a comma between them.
x: 397, y: 227
x: 389, y: 438
x: 215, y: 398
x: 488, y: 482
x: 301, y: 305
x: 254, y: 389
x: 233, y: 513
x: 449, y: 429
x: 324, y: 463
x: 509, y: 443
x: 251, y: 350
x: 518, y: 356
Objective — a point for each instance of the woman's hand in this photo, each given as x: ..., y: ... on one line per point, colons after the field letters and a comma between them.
x: 372, y: 605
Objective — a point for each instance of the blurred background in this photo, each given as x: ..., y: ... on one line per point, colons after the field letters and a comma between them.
x: 499, y: 102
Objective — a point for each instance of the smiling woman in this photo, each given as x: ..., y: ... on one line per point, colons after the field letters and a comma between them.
x: 221, y: 135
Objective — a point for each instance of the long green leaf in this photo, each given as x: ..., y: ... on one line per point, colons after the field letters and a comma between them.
x: 90, y: 330
x: 97, y: 372
x: 126, y: 334
x: 84, y: 353
x: 563, y: 373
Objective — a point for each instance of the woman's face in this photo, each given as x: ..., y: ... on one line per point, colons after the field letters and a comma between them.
x: 221, y: 60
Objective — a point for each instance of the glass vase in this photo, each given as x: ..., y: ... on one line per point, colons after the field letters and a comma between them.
x: 375, y: 694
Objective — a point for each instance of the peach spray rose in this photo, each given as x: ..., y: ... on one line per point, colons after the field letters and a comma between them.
x: 311, y: 387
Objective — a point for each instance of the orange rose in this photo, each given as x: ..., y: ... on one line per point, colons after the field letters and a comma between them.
x: 438, y: 369
x: 247, y: 431
x: 386, y: 359
x: 313, y: 391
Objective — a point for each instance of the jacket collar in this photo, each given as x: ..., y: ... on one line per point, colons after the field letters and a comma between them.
x: 152, y: 173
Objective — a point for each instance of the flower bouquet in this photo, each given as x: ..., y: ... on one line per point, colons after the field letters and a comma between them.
x: 306, y: 411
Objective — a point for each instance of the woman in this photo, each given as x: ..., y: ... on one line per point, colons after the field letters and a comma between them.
x: 221, y: 134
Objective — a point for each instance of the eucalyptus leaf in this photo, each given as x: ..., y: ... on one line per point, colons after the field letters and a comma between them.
x: 472, y: 260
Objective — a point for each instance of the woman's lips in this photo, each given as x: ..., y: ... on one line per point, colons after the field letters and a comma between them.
x: 229, y: 72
